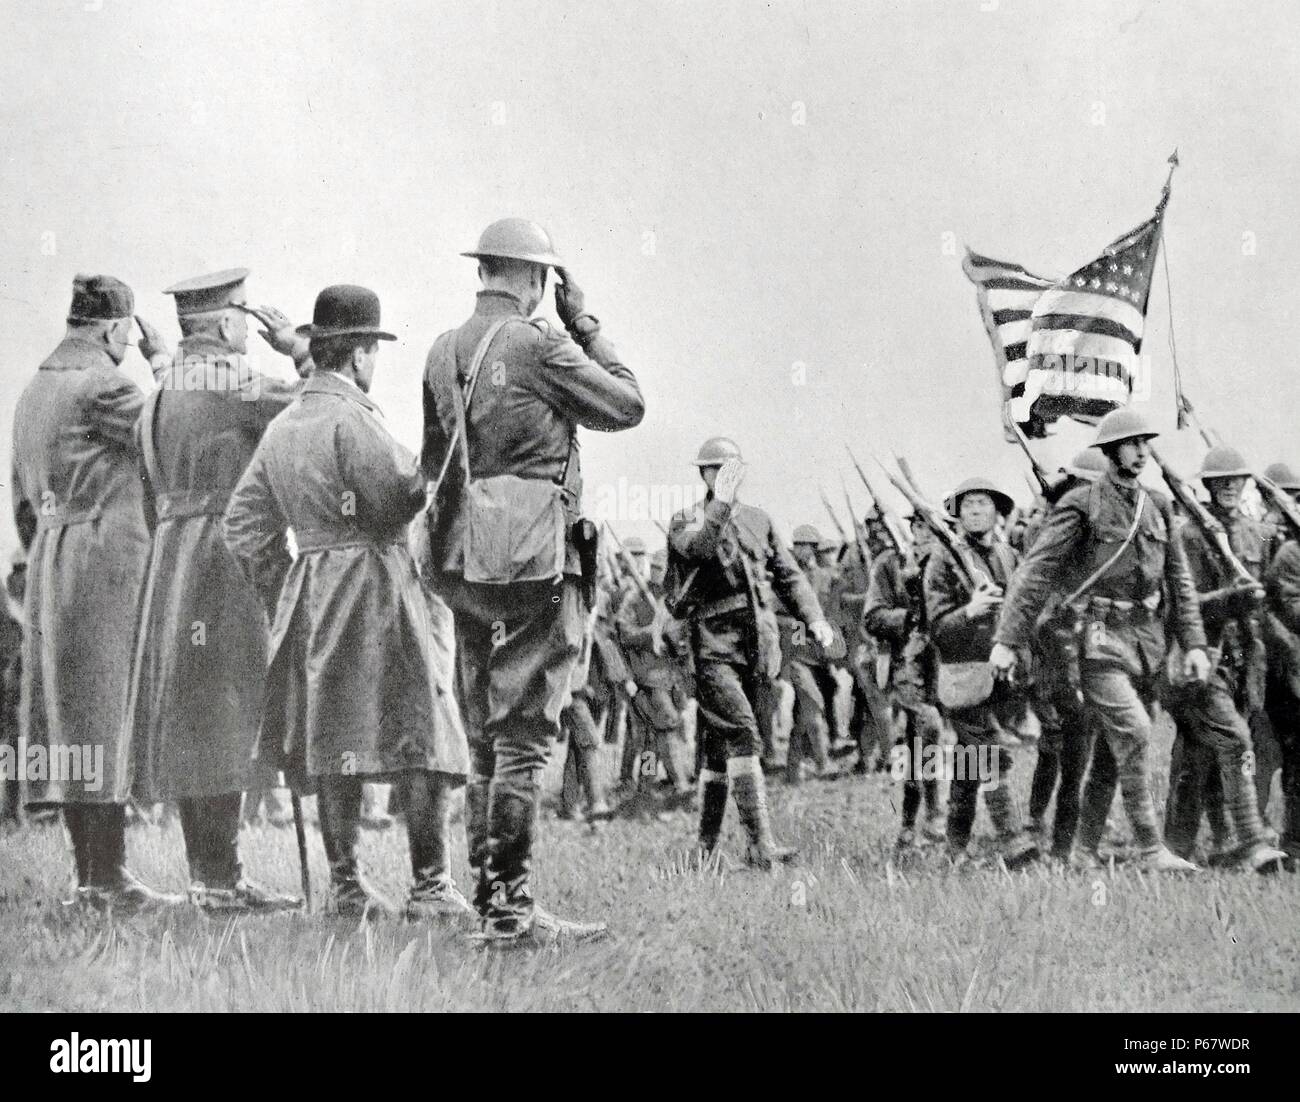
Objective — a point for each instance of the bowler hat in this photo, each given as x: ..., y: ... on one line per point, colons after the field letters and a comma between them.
x: 345, y: 310
x: 100, y: 298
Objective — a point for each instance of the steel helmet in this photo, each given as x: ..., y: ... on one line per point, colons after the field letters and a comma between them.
x: 660, y: 559
x: 806, y: 533
x: 517, y: 239
x: 1282, y: 474
x: 716, y: 450
x: 1088, y: 464
x: 634, y: 545
x: 1222, y: 461
x: 981, y: 485
x: 1122, y: 424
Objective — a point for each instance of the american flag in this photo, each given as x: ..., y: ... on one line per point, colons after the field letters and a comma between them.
x: 1007, y: 295
x: 1086, y: 333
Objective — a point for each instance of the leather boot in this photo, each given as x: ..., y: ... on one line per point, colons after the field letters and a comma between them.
x: 434, y: 895
x: 477, y: 803
x: 218, y: 885
x: 512, y: 917
x: 339, y: 803
x: 80, y: 843
x: 714, y: 789
x: 109, y: 885
x: 750, y: 792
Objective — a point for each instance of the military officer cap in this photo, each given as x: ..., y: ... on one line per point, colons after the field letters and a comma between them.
x: 634, y: 545
x: 206, y: 294
x: 1282, y: 475
x: 806, y: 533
x: 100, y: 298
x: 980, y: 485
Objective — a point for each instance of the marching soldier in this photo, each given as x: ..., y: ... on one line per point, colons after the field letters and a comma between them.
x: 355, y: 691
x: 1282, y: 691
x: 1067, y: 743
x: 960, y: 622
x: 77, y: 503
x: 806, y: 671
x: 1110, y: 542
x: 894, y: 615
x: 503, y: 399
x: 724, y: 558
x: 582, y: 760
x: 200, y: 661
x: 654, y: 716
x: 1212, y: 735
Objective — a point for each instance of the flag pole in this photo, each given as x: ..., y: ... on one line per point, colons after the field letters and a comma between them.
x: 1183, y: 407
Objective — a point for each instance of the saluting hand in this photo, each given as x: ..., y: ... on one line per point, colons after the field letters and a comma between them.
x: 728, y: 480
x: 152, y: 346
x: 279, y: 332
x: 570, y: 302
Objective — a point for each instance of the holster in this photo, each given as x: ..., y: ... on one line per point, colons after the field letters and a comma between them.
x: 586, y: 541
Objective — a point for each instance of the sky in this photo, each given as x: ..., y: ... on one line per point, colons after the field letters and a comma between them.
x: 766, y: 204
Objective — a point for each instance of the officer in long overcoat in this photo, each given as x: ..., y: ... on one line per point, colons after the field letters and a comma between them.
x: 200, y: 662
x: 77, y: 503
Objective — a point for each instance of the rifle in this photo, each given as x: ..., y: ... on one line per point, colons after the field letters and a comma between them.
x: 972, y: 572
x: 886, y: 514
x: 858, y: 539
x: 1214, y: 532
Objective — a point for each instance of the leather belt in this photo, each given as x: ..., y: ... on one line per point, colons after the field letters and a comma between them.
x: 721, y: 606
x: 174, y: 506
x: 320, y: 539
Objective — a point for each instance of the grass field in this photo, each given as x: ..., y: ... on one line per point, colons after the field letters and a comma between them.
x: 846, y: 930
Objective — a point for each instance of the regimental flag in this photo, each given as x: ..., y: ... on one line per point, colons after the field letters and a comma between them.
x: 1007, y: 295
x: 1086, y: 333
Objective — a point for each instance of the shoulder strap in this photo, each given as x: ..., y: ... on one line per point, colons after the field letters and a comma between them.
x: 1100, y: 572
x: 461, y: 399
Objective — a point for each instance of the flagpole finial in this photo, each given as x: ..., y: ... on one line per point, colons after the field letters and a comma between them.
x: 1173, y: 158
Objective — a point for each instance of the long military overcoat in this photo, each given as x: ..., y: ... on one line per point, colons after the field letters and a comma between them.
x: 77, y: 503
x: 200, y: 666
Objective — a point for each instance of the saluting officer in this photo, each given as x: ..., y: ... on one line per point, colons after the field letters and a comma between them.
x: 1111, y: 542
x: 503, y: 399
x: 200, y: 664
x: 77, y: 503
x: 724, y: 559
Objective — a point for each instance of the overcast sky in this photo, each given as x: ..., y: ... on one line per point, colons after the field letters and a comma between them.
x: 766, y: 203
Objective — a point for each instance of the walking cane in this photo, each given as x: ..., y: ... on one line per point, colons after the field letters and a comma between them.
x: 300, y: 831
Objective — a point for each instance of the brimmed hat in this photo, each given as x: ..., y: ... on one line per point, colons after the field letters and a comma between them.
x: 1003, y: 502
x: 516, y: 239
x: 345, y: 310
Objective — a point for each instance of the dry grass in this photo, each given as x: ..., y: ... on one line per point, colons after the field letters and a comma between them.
x: 845, y: 931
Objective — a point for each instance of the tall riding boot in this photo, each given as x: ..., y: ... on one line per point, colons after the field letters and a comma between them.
x: 339, y: 802
x: 477, y: 800
x: 434, y: 895
x: 714, y: 788
x: 512, y: 916
x: 751, y: 804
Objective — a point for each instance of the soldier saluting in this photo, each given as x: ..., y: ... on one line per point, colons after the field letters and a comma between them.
x: 77, y: 503
x: 724, y: 559
x: 1112, y: 542
x: 200, y: 665
x: 503, y: 399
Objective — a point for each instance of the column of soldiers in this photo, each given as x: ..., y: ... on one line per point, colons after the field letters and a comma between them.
x: 236, y: 577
